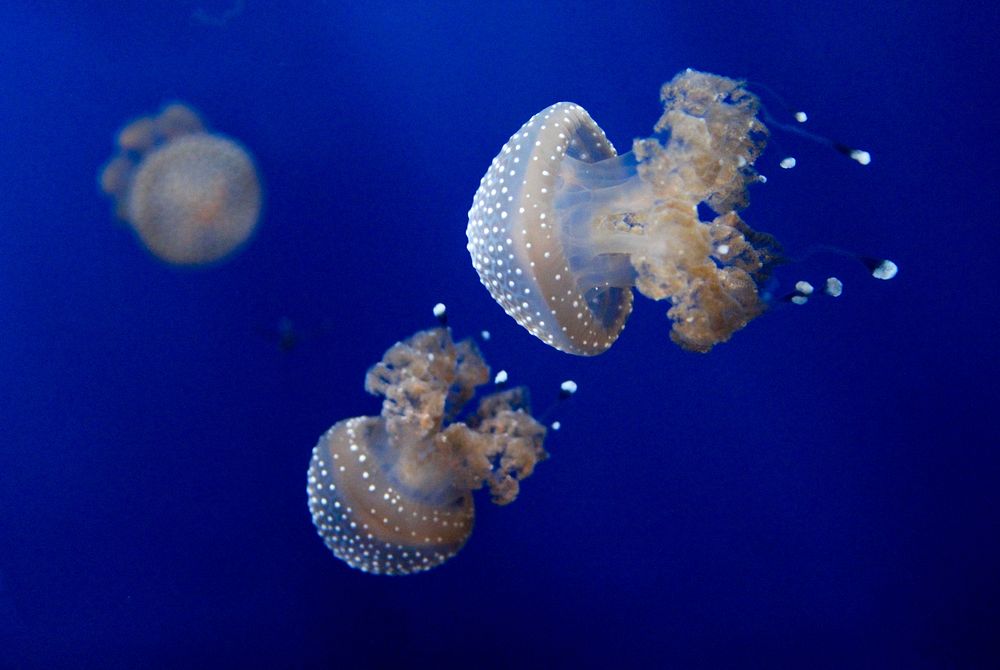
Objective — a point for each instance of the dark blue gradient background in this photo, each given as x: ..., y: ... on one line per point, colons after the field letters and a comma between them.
x: 821, y: 492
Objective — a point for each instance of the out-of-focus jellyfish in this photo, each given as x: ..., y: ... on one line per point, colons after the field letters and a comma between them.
x: 218, y: 19
x: 392, y: 494
x: 193, y: 197
x: 562, y: 227
x: 287, y: 334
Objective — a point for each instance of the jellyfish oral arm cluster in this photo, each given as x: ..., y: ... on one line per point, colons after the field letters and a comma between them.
x: 392, y: 494
x: 562, y: 227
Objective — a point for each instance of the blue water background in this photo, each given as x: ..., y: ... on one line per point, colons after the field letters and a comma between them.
x: 820, y: 492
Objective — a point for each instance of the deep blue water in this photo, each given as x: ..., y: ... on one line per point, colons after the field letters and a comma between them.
x: 820, y: 492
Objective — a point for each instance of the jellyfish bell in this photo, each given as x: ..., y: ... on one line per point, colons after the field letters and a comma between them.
x: 195, y: 200
x: 392, y: 494
x: 192, y: 197
x: 562, y: 228
x: 516, y: 237
x: 358, y: 516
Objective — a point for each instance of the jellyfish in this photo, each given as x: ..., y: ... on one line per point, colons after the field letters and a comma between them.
x: 192, y: 197
x: 392, y: 494
x: 562, y: 227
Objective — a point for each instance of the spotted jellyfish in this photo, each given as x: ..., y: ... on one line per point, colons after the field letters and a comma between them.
x: 393, y: 494
x: 562, y: 227
x: 191, y: 196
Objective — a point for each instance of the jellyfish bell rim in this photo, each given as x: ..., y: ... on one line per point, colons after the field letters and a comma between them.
x: 345, y: 511
x: 566, y: 312
x: 574, y: 135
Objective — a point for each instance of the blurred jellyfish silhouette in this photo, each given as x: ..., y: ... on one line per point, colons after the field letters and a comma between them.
x: 192, y: 197
x: 562, y: 227
x: 392, y: 494
x: 287, y: 335
x: 218, y: 18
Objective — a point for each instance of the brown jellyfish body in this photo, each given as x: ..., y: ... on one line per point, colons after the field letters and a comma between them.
x: 191, y: 196
x: 392, y: 494
x: 562, y: 227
